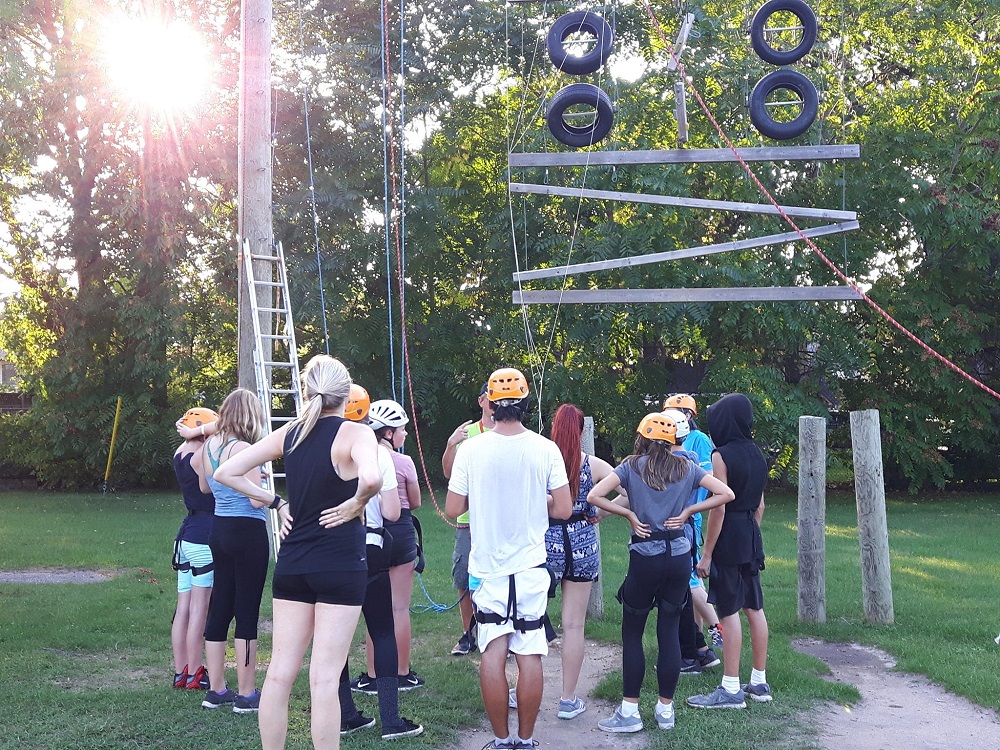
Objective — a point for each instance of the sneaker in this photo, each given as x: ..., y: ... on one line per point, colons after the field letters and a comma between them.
x: 760, y: 693
x: 512, y: 698
x: 181, y: 679
x: 571, y: 709
x: 524, y: 744
x: 217, y: 700
x: 247, y: 704
x: 466, y: 644
x: 715, y: 633
x: 619, y: 723
x: 410, y: 681
x: 665, y: 722
x: 690, y: 666
x: 495, y: 744
x: 199, y: 680
x: 350, y: 726
x: 719, y: 698
x: 707, y: 658
x: 364, y: 684
x: 406, y: 728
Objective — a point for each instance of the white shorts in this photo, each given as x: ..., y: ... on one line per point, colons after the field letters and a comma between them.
x: 532, y: 592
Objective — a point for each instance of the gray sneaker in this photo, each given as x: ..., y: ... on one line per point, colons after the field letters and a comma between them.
x: 666, y: 722
x: 760, y: 693
x: 720, y: 698
x: 512, y: 698
x: 571, y: 709
x: 619, y: 723
x: 216, y: 700
x: 247, y: 704
x: 707, y: 658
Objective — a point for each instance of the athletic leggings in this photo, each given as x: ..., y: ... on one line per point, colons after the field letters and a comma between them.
x: 240, y: 550
x: 377, y: 609
x: 661, y: 582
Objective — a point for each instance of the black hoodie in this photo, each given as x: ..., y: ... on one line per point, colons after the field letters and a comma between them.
x: 730, y: 420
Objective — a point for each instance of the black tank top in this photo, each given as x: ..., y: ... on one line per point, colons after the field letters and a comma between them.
x: 313, y: 486
x: 197, y: 525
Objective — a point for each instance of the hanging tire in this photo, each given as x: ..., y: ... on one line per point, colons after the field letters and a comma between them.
x: 577, y: 94
x: 586, y: 22
x: 788, y: 80
x: 760, y: 44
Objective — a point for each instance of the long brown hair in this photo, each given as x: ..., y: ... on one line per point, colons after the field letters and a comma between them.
x: 661, y: 468
x: 567, y: 431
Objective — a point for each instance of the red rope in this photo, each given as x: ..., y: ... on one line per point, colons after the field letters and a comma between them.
x: 840, y: 274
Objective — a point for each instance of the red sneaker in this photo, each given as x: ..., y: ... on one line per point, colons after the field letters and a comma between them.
x: 199, y: 680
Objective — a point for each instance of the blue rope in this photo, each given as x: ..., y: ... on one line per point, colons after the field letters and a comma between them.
x: 385, y: 202
x: 418, y: 609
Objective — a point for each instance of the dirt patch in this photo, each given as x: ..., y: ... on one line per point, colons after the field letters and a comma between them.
x: 57, y: 575
x: 550, y: 730
x: 898, y: 711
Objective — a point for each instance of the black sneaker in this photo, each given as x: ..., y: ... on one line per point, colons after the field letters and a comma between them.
x: 707, y: 658
x: 217, y: 700
x: 466, y: 644
x: 364, y: 684
x: 350, y: 726
x: 690, y: 666
x: 410, y: 681
x: 406, y: 728
x: 247, y: 704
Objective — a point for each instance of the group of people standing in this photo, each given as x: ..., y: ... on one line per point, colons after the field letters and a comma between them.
x: 525, y: 509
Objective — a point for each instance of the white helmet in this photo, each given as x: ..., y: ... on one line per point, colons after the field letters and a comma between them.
x: 386, y: 413
x: 683, y: 427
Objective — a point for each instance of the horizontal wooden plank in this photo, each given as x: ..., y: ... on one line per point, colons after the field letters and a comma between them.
x: 673, y: 200
x: 690, y: 252
x: 704, y: 294
x: 682, y: 156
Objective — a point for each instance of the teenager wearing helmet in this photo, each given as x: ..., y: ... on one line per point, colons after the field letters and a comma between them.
x: 389, y: 421
x: 696, y: 654
x: 192, y: 556
x: 733, y: 555
x: 463, y: 540
x: 503, y: 479
x: 659, y: 485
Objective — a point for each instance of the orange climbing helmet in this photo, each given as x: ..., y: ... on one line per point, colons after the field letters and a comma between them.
x: 198, y: 416
x: 658, y: 426
x: 358, y: 403
x: 681, y: 401
x: 507, y: 384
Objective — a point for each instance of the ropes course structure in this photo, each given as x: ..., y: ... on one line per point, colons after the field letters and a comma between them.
x: 782, y: 80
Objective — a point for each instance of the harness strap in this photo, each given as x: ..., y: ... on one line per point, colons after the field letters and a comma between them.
x: 665, y: 535
x: 521, y: 624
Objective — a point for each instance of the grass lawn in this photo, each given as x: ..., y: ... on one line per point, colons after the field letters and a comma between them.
x: 88, y: 665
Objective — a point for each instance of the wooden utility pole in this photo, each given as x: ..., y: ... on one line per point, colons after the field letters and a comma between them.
x: 873, y: 528
x: 812, y: 519
x: 595, y: 607
x: 254, y: 136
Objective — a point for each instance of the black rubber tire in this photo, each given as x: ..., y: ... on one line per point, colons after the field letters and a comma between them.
x: 580, y: 20
x: 792, y: 81
x: 809, y: 29
x: 580, y: 93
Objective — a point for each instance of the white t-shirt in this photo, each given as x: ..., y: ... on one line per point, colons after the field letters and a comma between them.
x: 373, y: 509
x: 506, y: 478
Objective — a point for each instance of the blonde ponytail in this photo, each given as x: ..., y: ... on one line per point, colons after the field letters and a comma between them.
x: 326, y: 384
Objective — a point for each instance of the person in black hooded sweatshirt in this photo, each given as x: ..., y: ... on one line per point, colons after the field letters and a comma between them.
x: 733, y: 554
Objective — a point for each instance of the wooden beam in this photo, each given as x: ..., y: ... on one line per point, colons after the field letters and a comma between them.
x: 672, y: 200
x: 704, y: 294
x: 683, y: 156
x: 691, y: 252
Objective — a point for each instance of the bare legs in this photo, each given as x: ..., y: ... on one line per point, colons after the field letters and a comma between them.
x: 732, y: 642
x: 178, y: 632
x: 195, y: 637
x: 493, y: 684
x: 331, y: 628
x: 575, y: 597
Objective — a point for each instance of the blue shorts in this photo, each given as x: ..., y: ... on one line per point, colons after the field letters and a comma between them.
x: 194, y: 558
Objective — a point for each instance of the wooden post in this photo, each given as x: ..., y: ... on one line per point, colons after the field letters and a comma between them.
x: 595, y: 607
x: 873, y: 528
x: 254, y: 176
x: 812, y: 519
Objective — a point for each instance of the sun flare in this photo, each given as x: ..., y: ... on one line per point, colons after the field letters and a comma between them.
x: 162, y: 66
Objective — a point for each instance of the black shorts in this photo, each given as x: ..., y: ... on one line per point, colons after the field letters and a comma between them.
x: 404, y: 539
x: 734, y: 587
x: 321, y: 588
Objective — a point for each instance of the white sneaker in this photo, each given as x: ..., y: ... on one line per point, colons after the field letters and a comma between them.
x: 663, y: 721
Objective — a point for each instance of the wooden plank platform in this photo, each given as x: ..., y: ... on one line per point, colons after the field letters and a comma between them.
x: 704, y: 294
x: 682, y: 156
x: 681, y: 202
